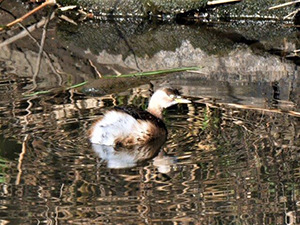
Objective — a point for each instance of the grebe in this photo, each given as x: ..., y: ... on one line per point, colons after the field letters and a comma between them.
x: 127, y: 125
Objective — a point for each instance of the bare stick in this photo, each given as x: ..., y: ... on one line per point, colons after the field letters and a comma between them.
x: 288, y: 112
x: 292, y: 14
x: 63, y: 17
x: 27, y: 31
x: 58, y: 74
x: 46, y: 3
x: 284, y: 4
x: 95, y: 68
x: 45, y: 53
x: 38, y: 65
x: 23, y: 33
x: 217, y: 2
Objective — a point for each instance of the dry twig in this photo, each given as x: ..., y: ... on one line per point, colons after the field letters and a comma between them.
x: 218, y: 2
x: 19, y: 20
x: 284, y: 4
x: 292, y: 14
x: 41, y: 50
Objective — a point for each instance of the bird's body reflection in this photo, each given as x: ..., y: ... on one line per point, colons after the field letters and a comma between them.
x: 126, y: 157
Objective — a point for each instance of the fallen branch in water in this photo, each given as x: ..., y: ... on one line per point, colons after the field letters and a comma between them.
x: 237, y: 106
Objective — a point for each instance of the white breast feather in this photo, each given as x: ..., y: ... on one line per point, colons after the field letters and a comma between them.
x: 113, y: 125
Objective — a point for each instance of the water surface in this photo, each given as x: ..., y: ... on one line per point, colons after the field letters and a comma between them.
x: 232, y: 156
x: 220, y: 165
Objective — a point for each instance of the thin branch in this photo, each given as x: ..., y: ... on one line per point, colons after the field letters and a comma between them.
x: 8, y: 12
x: 46, y: 3
x: 24, y: 33
x: 45, y: 53
x: 121, y: 35
x: 217, y: 2
x: 38, y: 65
x: 63, y: 17
x: 237, y: 106
x: 292, y: 14
x: 95, y: 68
x: 284, y: 4
x: 27, y: 31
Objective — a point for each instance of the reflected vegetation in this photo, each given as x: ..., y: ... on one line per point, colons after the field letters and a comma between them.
x: 220, y: 164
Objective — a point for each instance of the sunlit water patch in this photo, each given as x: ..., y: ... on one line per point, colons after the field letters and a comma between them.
x: 220, y: 165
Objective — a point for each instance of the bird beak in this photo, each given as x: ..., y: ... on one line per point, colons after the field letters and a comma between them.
x: 182, y: 100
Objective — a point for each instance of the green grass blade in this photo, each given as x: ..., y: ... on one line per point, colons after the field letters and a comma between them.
x: 77, y: 85
x: 37, y: 93
x: 157, y: 72
x: 49, y: 91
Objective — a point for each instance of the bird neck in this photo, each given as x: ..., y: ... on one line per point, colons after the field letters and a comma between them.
x: 155, y: 109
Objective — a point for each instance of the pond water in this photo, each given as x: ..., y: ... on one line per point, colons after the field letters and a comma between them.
x: 220, y: 165
x: 232, y: 155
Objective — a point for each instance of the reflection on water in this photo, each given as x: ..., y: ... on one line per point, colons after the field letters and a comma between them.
x: 220, y: 165
x: 121, y: 157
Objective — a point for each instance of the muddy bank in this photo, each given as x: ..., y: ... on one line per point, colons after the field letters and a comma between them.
x: 146, y: 46
x: 142, y: 37
x: 233, y: 62
x: 89, y: 49
x: 230, y: 64
x: 244, y: 56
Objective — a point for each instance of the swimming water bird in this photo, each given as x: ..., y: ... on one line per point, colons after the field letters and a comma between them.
x: 127, y: 125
